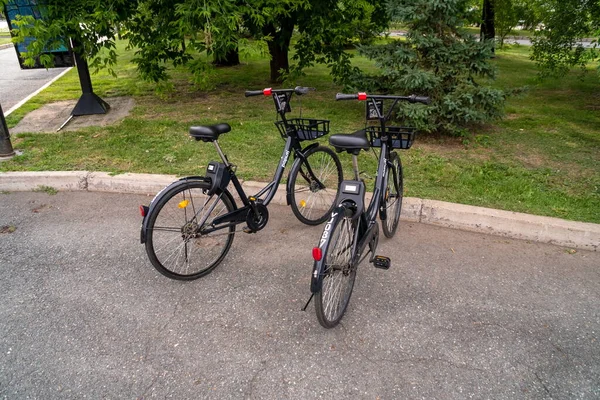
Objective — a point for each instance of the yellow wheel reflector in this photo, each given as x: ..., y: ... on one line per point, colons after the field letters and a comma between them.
x: 302, y: 203
x: 183, y: 203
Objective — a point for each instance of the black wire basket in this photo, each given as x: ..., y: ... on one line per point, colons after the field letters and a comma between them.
x: 303, y: 128
x: 400, y: 137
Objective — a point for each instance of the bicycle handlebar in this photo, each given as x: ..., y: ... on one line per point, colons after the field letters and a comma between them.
x: 343, y: 96
x: 421, y: 99
x: 299, y: 90
x: 363, y: 96
x: 253, y: 93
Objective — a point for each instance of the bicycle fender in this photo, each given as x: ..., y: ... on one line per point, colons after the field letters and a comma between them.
x: 289, y: 189
x: 316, y: 280
x: 160, y: 194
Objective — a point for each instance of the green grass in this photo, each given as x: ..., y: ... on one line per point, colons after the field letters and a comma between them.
x: 543, y: 158
x: 46, y: 189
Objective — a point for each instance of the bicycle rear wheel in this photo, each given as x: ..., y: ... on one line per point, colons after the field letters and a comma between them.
x: 175, y: 245
x: 310, y: 200
x: 392, y: 198
x: 339, y: 273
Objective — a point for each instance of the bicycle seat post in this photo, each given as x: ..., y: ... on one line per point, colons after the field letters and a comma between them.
x: 355, y: 166
x: 221, y: 153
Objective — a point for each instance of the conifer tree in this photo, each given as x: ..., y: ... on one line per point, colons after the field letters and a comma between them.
x: 438, y: 60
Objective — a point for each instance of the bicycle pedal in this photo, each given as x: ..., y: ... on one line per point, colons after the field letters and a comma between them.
x: 248, y: 230
x: 381, y: 262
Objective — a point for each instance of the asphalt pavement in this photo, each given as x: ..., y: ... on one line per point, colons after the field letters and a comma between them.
x: 15, y: 83
x: 458, y: 315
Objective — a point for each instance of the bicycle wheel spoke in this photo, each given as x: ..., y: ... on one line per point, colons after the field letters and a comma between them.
x: 167, y: 229
x: 175, y: 244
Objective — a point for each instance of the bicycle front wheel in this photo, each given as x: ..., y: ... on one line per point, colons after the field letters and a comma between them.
x: 314, y: 182
x: 339, y: 273
x: 392, y: 198
x: 175, y: 243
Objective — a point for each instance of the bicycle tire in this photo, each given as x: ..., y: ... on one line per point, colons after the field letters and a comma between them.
x: 339, y: 273
x: 310, y: 203
x: 392, y: 198
x: 173, y: 245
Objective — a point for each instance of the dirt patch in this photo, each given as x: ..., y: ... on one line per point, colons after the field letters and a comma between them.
x: 50, y: 117
x: 533, y: 160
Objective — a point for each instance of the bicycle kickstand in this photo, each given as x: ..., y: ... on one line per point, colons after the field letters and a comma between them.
x: 308, y: 302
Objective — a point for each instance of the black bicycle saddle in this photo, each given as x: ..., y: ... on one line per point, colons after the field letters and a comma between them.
x: 351, y: 142
x: 209, y: 133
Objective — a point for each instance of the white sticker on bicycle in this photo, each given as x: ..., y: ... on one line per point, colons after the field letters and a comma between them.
x: 351, y: 188
x: 328, y: 227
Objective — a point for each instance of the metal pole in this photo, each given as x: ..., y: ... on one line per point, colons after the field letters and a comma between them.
x: 89, y: 103
x: 6, y: 149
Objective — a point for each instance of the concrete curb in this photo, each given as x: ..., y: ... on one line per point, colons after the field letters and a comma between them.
x: 6, y: 46
x: 572, y: 234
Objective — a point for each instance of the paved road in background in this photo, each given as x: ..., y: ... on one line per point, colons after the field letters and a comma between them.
x: 459, y: 315
x: 15, y: 83
x: 509, y: 40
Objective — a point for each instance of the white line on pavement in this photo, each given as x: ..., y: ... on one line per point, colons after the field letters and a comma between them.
x: 26, y: 99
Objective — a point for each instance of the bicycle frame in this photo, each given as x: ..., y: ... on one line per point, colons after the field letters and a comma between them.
x: 292, y: 146
x: 351, y: 205
x: 366, y: 233
x: 369, y: 217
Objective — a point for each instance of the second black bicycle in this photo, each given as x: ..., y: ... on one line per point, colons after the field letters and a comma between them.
x: 352, y: 231
x: 189, y: 226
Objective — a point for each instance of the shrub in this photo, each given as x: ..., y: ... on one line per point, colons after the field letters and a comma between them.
x: 437, y: 60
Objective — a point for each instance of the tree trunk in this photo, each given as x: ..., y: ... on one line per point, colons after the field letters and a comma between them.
x: 488, y: 29
x: 279, y: 47
x: 229, y: 59
x: 279, y: 61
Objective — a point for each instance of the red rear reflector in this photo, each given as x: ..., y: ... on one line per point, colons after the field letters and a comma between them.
x: 143, y: 210
x: 317, y: 253
x: 362, y: 96
x: 267, y: 91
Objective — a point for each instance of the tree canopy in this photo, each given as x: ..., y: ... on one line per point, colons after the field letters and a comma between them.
x: 174, y: 32
x: 557, y: 45
x: 90, y: 22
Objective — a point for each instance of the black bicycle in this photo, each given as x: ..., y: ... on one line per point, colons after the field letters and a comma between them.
x: 351, y: 233
x: 189, y: 226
